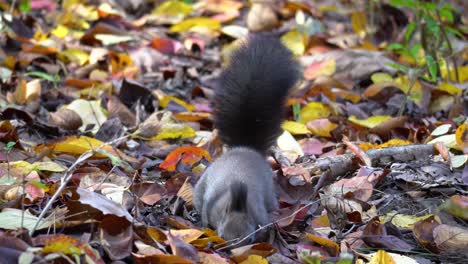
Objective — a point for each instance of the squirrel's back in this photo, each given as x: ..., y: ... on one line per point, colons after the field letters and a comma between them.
x: 250, y: 96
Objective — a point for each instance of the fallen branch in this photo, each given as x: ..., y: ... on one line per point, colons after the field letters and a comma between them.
x: 330, y: 168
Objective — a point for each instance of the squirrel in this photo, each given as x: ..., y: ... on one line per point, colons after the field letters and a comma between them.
x: 236, y: 192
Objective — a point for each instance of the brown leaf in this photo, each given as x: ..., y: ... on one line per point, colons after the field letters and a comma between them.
x: 117, y: 109
x: 116, y: 237
x: 261, y: 249
x: 181, y: 248
x: 386, y: 241
x: 148, y: 192
x: 450, y: 238
x: 423, y: 232
x: 186, y: 191
x: 66, y: 119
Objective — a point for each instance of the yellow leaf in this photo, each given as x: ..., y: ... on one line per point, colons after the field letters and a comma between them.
x: 173, y: 8
x: 173, y: 131
x: 48, y: 166
x: 60, y: 31
x: 330, y: 245
x: 120, y: 62
x: 402, y: 220
x: 166, y: 99
x: 195, y: 22
x: 74, y: 55
x: 254, y: 259
x: 314, y: 110
x: 415, y: 94
x: 369, y: 122
x: 449, y: 88
x: 393, y: 143
x: 382, y: 257
x: 294, y: 40
x: 63, y: 244
x: 358, y: 22
x: 295, y: 128
x: 461, y: 136
x: 380, y: 77
x: 77, y: 145
x: 450, y: 73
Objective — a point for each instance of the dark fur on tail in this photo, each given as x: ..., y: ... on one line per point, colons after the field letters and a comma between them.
x: 249, y: 101
x: 238, y: 197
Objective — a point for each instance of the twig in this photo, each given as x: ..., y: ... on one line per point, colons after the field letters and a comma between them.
x: 66, y: 179
x: 449, y: 45
x: 68, y: 176
x: 12, y: 7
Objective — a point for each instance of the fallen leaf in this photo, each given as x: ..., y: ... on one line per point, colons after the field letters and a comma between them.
x: 13, y: 219
x: 186, y: 155
x: 173, y: 131
x: 457, y: 205
x: 103, y: 204
x: 195, y: 22
x: 66, y: 119
x: 321, y: 127
x: 294, y: 40
x: 382, y: 257
x: 90, y: 112
x: 320, y: 68
x: 423, y: 232
x: 235, y: 31
x: 461, y: 137
x: 314, y: 110
x: 254, y: 259
x: 370, y: 122
x: 450, y: 238
x: 449, y: 88
x: 295, y: 128
x: 332, y: 247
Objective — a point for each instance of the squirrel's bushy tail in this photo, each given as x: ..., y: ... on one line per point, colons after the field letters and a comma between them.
x: 250, y: 96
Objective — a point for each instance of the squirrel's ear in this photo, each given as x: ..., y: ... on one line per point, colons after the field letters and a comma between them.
x: 238, y: 197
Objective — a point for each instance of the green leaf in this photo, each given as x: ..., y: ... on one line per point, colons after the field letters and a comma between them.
x: 403, y: 3
x: 454, y: 31
x: 395, y: 46
x: 44, y: 76
x: 414, y: 51
x: 432, y: 67
x: 431, y: 24
x: 9, y: 146
x: 38, y: 184
x: 429, y: 6
x: 409, y: 30
x: 24, y: 6
x: 296, y: 112
x: 399, y: 67
x: 447, y: 14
